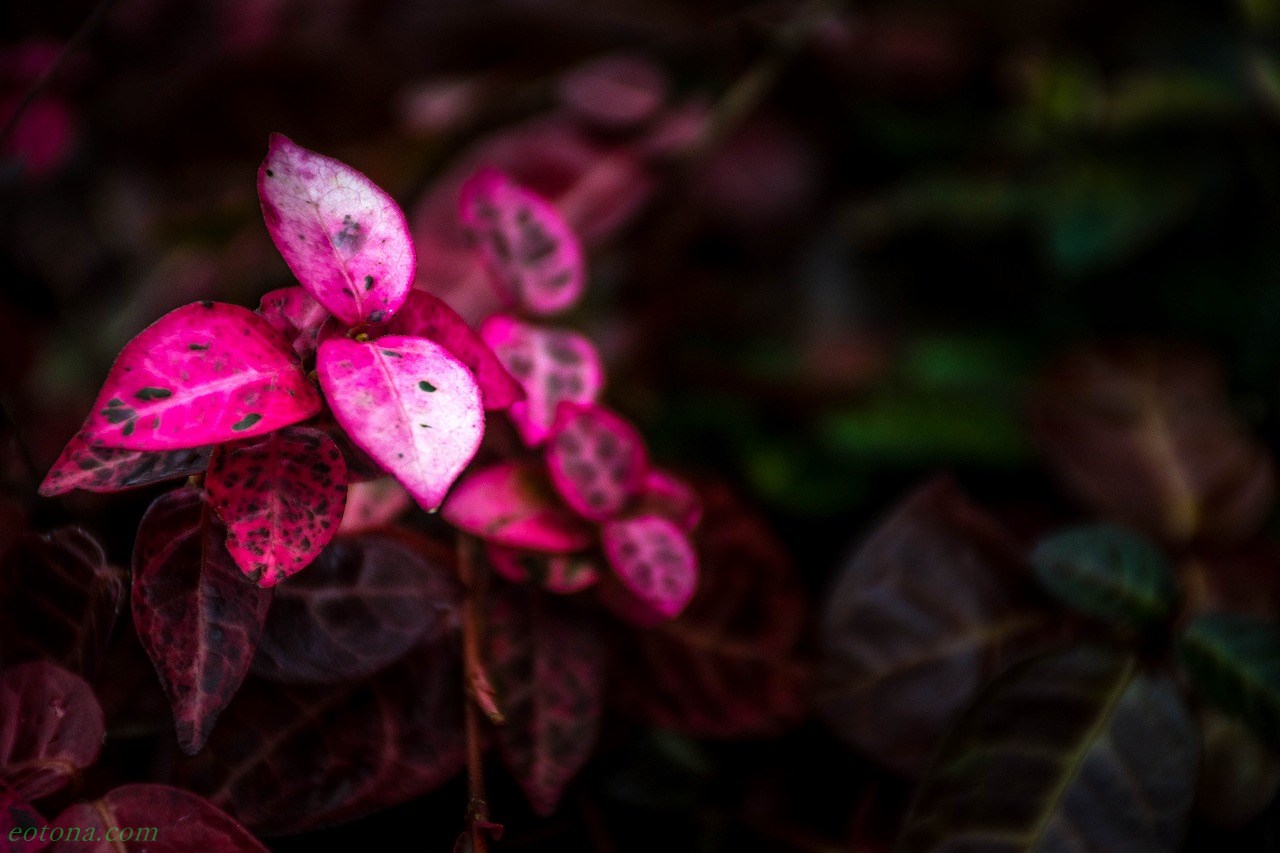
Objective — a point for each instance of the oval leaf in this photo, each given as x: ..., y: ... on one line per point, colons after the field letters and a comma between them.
x: 373, y: 504
x: 655, y: 562
x: 513, y: 505
x: 1104, y: 758
x: 51, y: 728
x: 409, y: 404
x: 559, y: 573
x: 205, y: 373
x: 297, y: 315
x: 151, y: 819
x: 667, y: 495
x: 1234, y: 661
x: 281, y: 497
x: 197, y: 617
x: 97, y: 468
x: 528, y: 248
x: 553, y: 365
x: 344, y: 238
x: 597, y: 461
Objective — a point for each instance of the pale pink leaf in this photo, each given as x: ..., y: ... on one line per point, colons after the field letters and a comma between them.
x: 655, y: 562
x: 528, y: 248
x: 297, y: 314
x: 374, y: 503
x: 597, y: 461
x: 202, y: 374
x: 553, y: 365
x: 667, y: 495
x: 281, y: 497
x: 513, y: 504
x: 344, y: 238
x: 425, y: 316
x: 409, y: 404
x: 559, y: 573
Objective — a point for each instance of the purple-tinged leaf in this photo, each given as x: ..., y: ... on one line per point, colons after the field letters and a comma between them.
x: 281, y: 497
x: 96, y: 468
x: 559, y: 573
x: 667, y: 495
x: 373, y: 504
x: 530, y: 251
x: 197, y: 617
x: 597, y: 461
x: 512, y: 504
x: 547, y: 665
x: 655, y: 562
x: 425, y: 316
x: 51, y: 728
x: 553, y: 365
x: 409, y: 404
x: 202, y: 374
x: 616, y: 92
x: 297, y: 314
x: 344, y: 238
x: 59, y: 600
x: 364, y: 603
x: 151, y: 819
x: 17, y: 817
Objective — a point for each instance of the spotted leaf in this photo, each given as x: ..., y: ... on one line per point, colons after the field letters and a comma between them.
x: 597, y: 461
x: 409, y: 404
x: 513, y: 505
x: 344, y: 238
x: 560, y: 573
x: 97, y: 468
x: 656, y: 564
x: 297, y: 314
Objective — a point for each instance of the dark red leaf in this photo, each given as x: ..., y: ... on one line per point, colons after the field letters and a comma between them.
x: 51, y: 728
x: 16, y: 818
x: 197, y: 617
x: 559, y: 573
x: 95, y: 468
x: 151, y: 819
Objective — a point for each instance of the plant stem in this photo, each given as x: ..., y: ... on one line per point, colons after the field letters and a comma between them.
x: 479, y: 691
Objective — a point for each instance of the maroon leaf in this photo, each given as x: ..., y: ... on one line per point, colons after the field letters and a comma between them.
x: 297, y: 314
x: 281, y: 497
x: 656, y: 564
x: 59, y: 600
x: 597, y: 461
x: 363, y: 604
x: 18, y: 819
x: 288, y: 759
x: 150, y: 819
x: 514, y: 505
x: 51, y: 728
x: 547, y: 666
x: 95, y: 468
x: 198, y: 618
x: 559, y: 573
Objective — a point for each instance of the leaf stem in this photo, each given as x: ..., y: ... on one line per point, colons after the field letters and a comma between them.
x: 479, y: 692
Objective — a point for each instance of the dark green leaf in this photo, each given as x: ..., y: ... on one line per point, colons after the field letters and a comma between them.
x: 1234, y: 661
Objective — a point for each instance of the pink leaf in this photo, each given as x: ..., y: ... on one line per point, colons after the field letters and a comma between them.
x: 514, y: 505
x: 616, y: 92
x: 409, y: 404
x: 152, y: 819
x: 553, y: 365
x: 205, y: 373
x: 51, y: 728
x: 655, y: 562
x: 597, y: 461
x: 425, y: 316
x: 559, y: 573
x: 197, y: 618
x: 281, y: 497
x: 344, y: 238
x: 297, y: 314
x: 667, y: 495
x: 374, y: 503
x: 530, y: 251
x: 95, y: 468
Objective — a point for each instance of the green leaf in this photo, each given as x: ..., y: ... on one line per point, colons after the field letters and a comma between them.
x: 1234, y: 662
x: 1077, y: 749
x: 1109, y: 573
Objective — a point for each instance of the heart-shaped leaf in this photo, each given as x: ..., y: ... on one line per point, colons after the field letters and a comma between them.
x: 19, y: 823
x: 1234, y: 661
x: 512, y: 504
x: 202, y: 374
x: 361, y: 606
x: 344, y: 238
x: 373, y: 504
x: 59, y: 600
x: 665, y: 494
x: 1074, y: 750
x: 528, y: 248
x: 150, y: 819
x: 409, y: 404
x: 281, y: 497
x: 547, y: 665
x: 51, y: 728
x: 297, y: 315
x: 655, y: 562
x: 553, y: 365
x: 97, y: 468
x: 425, y: 316
x: 597, y: 461
x: 197, y: 617
x: 1109, y: 573
x: 560, y: 573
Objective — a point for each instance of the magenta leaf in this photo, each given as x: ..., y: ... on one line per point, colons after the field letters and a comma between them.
x: 655, y: 562
x: 281, y: 497
x: 512, y: 504
x: 559, y: 573
x: 547, y: 665
x: 597, y: 461
x: 297, y: 314
x: 51, y: 728
x: 197, y: 618
x: 205, y: 373
x: 16, y: 818
x: 553, y: 365
x: 425, y: 316
x: 344, y: 238
x: 363, y: 604
x: 667, y: 495
x: 409, y: 404
x: 151, y: 819
x: 372, y: 504
x: 528, y: 248
x: 96, y: 468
